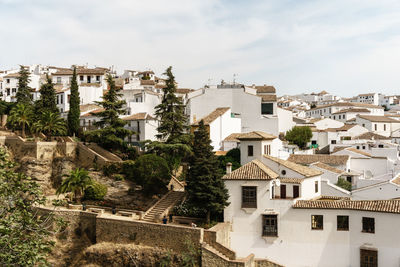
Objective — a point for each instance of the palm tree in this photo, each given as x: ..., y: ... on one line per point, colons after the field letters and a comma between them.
x: 50, y: 123
x: 76, y: 183
x: 21, y: 116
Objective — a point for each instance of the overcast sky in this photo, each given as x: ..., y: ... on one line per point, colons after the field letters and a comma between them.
x: 343, y: 46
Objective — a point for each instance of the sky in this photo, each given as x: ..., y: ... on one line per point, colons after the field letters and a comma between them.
x: 345, y: 47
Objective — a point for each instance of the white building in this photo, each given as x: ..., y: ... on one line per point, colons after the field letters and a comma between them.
x: 345, y: 115
x: 328, y: 110
x: 144, y: 127
x: 371, y: 98
x: 381, y: 125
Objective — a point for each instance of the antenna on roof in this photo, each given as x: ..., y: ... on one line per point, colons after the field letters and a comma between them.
x: 234, y: 78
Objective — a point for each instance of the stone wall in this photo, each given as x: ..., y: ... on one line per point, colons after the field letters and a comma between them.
x: 266, y: 263
x: 222, y: 233
x: 211, y: 259
x: 87, y: 158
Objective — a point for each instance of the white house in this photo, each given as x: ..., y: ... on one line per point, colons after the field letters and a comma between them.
x: 144, y: 127
x: 348, y: 114
x: 381, y: 125
x: 370, y: 98
x: 220, y: 123
x: 328, y: 110
x: 389, y: 189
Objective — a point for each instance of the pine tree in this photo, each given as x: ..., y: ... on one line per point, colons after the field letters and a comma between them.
x: 171, y: 113
x: 47, y: 101
x: 205, y: 187
x: 111, y: 132
x: 74, y: 112
x: 24, y: 91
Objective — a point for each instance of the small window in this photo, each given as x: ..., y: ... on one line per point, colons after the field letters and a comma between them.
x: 61, y: 99
x: 81, y: 78
x: 376, y: 127
x: 296, y: 191
x: 342, y: 223
x: 98, y: 78
x: 283, y: 172
x: 316, y: 186
x: 368, y: 225
x: 267, y: 108
x: 249, y: 197
x: 358, y: 147
x: 317, y: 222
x: 384, y: 127
x: 58, y: 79
x: 8, y: 80
x: 314, y: 142
x: 250, y: 152
x: 363, y: 147
x: 270, y: 225
x: 333, y: 142
x: 380, y: 146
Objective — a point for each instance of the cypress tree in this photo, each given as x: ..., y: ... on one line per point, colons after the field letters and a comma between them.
x: 47, y: 101
x: 171, y: 113
x: 205, y: 187
x: 74, y: 112
x: 24, y: 91
x: 111, y: 132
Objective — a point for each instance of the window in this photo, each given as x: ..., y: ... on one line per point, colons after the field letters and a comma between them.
x: 376, y: 127
x: 267, y: 149
x: 363, y: 147
x: 296, y: 191
x: 317, y: 222
x: 250, y: 151
x: 249, y: 197
x: 8, y: 91
x: 358, y: 147
x: 384, y: 127
x: 368, y: 258
x: 333, y: 142
x: 58, y: 101
x: 267, y: 108
x: 342, y: 223
x: 89, y: 79
x: 270, y: 225
x: 14, y: 90
x: 316, y: 186
x: 8, y: 80
x: 81, y: 78
x: 314, y: 142
x: 283, y: 172
x: 69, y: 98
x: 380, y: 146
x: 98, y: 78
x: 61, y: 99
x: 58, y: 79
x: 363, y: 125
x: 368, y: 225
x: 283, y: 191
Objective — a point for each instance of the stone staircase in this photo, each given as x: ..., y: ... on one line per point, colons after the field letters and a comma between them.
x: 155, y: 213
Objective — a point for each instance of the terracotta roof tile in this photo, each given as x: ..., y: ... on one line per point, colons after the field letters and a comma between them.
x: 254, y: 170
x: 352, y: 149
x: 147, y: 82
x: 303, y: 170
x: 327, y: 159
x: 347, y: 104
x: 265, y: 89
x: 213, y: 116
x: 268, y: 98
x: 232, y: 137
x: 88, y: 107
x: 81, y: 71
x: 389, y: 206
x: 371, y: 136
x: 289, y: 180
x: 256, y: 135
x: 378, y: 118
x: 138, y: 116
x: 355, y: 110
x: 327, y: 167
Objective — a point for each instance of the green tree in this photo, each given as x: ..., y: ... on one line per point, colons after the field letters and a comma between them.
x: 233, y: 156
x: 111, y: 132
x: 24, y: 91
x: 20, y: 116
x: 299, y: 135
x: 152, y: 173
x: 24, y: 236
x: 50, y: 124
x: 204, y: 184
x: 344, y: 184
x: 173, y: 144
x: 74, y: 112
x: 76, y: 182
x: 47, y: 101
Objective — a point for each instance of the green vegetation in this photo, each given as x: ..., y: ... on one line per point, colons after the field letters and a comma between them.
x: 173, y: 144
x: 344, y: 184
x: 24, y: 236
x: 50, y: 124
x: 233, y: 156
x: 24, y: 91
x: 95, y: 191
x: 74, y: 112
x: 20, y: 116
x: 205, y: 187
x: 299, y: 135
x: 152, y: 173
x: 111, y: 132
x: 76, y: 183
x: 47, y: 101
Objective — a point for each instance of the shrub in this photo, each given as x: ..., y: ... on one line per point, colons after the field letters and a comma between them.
x: 95, y: 191
x: 128, y: 167
x: 111, y: 169
x: 299, y: 135
x: 118, y: 177
x: 344, y: 184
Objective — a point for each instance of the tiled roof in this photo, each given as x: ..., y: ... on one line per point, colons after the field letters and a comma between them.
x: 88, y: 107
x: 268, y: 98
x: 369, y: 94
x: 303, y: 170
x: 184, y: 90
x: 220, y: 153
x: 378, y: 118
x: 80, y: 71
x: 396, y: 180
x: 327, y: 159
x: 12, y: 75
x: 389, y: 206
x: 347, y: 104
x: 355, y: 110
x: 232, y: 137
x: 371, y: 136
x: 324, y: 197
x: 344, y: 128
x: 254, y: 170
x: 352, y: 149
x: 90, y: 114
x: 138, y: 116
x: 147, y: 82
x: 256, y: 135
x: 265, y: 89
x: 213, y: 116
x: 290, y: 180
x: 339, y: 148
x: 327, y: 167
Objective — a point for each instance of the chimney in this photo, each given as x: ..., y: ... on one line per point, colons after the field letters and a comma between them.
x: 228, y: 168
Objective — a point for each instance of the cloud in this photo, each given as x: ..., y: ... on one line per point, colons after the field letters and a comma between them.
x: 345, y: 46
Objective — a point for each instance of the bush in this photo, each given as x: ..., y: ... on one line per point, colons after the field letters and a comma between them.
x: 187, y: 210
x: 344, y: 184
x: 118, y: 177
x: 128, y: 167
x: 299, y: 135
x: 95, y: 191
x: 111, y: 169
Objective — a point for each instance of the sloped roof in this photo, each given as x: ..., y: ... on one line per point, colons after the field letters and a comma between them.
x: 371, y: 136
x: 81, y: 71
x: 327, y: 167
x: 303, y: 170
x: 289, y: 180
x: 352, y: 149
x: 355, y: 110
x: 232, y: 137
x: 256, y: 135
x: 254, y: 170
x: 389, y: 206
x: 138, y: 116
x: 213, y: 116
x: 147, y: 82
x: 378, y: 118
x: 268, y: 98
x: 266, y: 89
x: 347, y: 104
x: 88, y: 107
x: 184, y: 90
x: 89, y: 114
x: 12, y: 75
x: 327, y: 159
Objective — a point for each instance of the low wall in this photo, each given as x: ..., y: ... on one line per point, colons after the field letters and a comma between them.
x: 210, y: 259
x: 223, y: 233
x: 101, y: 151
x: 265, y: 263
x: 87, y: 157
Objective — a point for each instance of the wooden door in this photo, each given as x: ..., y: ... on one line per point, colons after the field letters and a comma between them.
x: 283, y: 191
x: 368, y: 258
